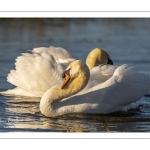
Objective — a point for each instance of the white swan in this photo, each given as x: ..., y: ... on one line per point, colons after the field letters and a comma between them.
x: 36, y: 72
x: 124, y: 87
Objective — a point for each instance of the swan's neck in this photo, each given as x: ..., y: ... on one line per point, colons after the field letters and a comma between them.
x: 92, y: 62
x: 52, y: 96
x: 93, y: 59
x: 96, y: 57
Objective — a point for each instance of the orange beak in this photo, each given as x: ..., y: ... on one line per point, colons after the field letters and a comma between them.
x: 66, y: 80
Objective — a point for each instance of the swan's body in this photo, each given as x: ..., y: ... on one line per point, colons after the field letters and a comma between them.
x: 124, y: 87
x: 41, y: 69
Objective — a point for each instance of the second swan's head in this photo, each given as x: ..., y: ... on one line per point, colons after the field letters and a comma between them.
x: 77, y: 73
x: 97, y: 57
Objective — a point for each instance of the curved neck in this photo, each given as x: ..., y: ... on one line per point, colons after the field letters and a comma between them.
x: 53, y: 96
x: 91, y: 62
x: 96, y: 57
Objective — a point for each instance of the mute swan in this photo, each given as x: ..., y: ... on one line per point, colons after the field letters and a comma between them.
x: 124, y: 87
x: 36, y: 72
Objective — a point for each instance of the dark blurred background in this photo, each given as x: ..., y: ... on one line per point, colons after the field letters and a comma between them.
x: 127, y: 40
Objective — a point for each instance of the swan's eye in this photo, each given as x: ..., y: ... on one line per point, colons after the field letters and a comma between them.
x: 66, y: 72
x: 109, y: 61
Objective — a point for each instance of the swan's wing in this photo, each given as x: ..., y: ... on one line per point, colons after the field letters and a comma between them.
x: 60, y: 54
x: 36, y: 72
x: 124, y: 87
x: 102, y: 72
x: 99, y: 75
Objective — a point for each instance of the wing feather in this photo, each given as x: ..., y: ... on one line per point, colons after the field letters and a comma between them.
x: 38, y: 71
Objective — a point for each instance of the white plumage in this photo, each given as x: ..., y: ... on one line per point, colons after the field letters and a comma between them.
x: 37, y: 71
x: 99, y: 74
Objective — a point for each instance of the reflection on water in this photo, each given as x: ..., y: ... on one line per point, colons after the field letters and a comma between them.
x: 22, y: 114
x: 126, y: 40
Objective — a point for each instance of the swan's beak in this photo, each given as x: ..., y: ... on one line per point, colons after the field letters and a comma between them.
x: 66, y: 80
x: 109, y: 61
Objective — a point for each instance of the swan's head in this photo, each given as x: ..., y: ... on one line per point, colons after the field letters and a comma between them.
x: 76, y: 69
x: 97, y: 57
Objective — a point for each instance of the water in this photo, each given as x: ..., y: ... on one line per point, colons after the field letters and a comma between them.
x: 126, y: 40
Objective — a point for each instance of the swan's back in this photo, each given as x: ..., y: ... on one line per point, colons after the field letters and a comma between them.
x: 99, y: 75
x: 124, y: 87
